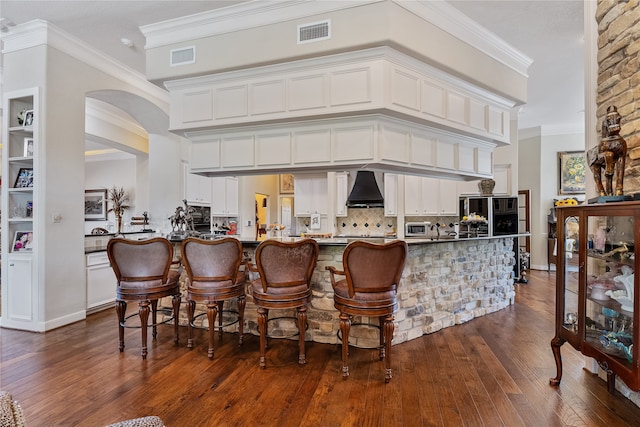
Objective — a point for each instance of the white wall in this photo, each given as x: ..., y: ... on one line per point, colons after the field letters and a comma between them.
x: 107, y: 174
x: 538, y: 172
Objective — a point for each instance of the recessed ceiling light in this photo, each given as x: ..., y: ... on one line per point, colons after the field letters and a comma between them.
x: 127, y: 42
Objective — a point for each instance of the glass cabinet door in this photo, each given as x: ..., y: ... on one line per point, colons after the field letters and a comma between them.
x: 571, y: 273
x: 609, y: 270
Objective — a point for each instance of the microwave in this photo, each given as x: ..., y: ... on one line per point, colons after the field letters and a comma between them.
x: 416, y: 229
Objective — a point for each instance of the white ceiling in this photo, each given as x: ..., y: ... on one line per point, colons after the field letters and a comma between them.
x: 549, y: 32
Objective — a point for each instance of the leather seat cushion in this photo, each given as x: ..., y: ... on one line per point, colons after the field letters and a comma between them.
x: 296, y: 290
x: 341, y: 290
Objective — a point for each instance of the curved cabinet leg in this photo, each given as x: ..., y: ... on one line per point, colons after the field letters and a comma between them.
x: 556, y: 343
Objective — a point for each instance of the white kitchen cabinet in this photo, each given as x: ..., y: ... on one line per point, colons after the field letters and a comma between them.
x: 502, y: 177
x: 224, y: 196
x: 430, y: 196
x: 342, y: 193
x: 101, y: 281
x: 390, y: 194
x: 310, y: 192
x: 448, y: 197
x: 197, y: 188
x: 18, y: 293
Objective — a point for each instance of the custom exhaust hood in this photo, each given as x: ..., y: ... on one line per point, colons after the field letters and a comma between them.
x: 365, y: 192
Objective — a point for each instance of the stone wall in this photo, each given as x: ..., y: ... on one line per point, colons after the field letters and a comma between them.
x: 443, y: 284
x: 619, y: 76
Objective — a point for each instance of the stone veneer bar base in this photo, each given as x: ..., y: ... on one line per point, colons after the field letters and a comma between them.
x: 444, y: 284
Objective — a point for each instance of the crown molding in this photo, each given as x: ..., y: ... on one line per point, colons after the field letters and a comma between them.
x: 451, y: 20
x: 39, y: 32
x: 242, y: 16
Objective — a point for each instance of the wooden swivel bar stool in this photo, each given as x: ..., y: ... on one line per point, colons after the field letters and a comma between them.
x: 285, y: 270
x: 213, y: 268
x: 143, y: 273
x: 370, y: 288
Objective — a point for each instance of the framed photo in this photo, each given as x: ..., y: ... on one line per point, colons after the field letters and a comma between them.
x: 571, y: 172
x: 286, y: 183
x: 28, y: 118
x: 28, y: 147
x: 95, y: 205
x: 22, y: 241
x: 24, y: 178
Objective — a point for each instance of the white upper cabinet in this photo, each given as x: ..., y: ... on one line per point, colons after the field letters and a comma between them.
x: 197, y: 188
x: 224, y: 196
x: 390, y: 194
x: 430, y: 196
x: 342, y: 192
x: 310, y: 192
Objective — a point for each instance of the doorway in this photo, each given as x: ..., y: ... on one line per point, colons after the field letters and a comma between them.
x: 262, y: 215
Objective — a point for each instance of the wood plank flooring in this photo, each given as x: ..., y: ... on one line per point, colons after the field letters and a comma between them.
x: 491, y: 371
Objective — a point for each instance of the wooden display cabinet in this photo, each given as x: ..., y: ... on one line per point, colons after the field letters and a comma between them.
x: 596, y: 308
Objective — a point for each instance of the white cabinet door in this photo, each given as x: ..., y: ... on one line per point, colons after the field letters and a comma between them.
x: 502, y: 177
x: 101, y: 281
x: 19, y: 291
x: 342, y: 188
x: 310, y: 192
x: 448, y: 197
x: 430, y: 196
x: 231, y: 195
x: 390, y: 194
x: 224, y: 196
x: 412, y: 195
x: 197, y: 188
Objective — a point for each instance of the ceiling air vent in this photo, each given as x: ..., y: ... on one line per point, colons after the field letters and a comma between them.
x: 313, y: 32
x: 183, y: 56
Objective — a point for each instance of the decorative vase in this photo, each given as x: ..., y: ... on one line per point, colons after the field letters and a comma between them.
x: 486, y: 187
x: 118, y: 225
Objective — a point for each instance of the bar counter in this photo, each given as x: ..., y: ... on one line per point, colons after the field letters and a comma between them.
x: 445, y: 282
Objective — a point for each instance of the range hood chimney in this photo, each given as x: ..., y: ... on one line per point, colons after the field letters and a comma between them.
x: 365, y: 192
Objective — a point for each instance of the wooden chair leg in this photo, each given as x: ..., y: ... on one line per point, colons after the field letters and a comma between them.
x: 212, y: 311
x: 388, y: 337
x: 382, y: 341
x: 220, y: 308
x: 176, y: 318
x: 191, y: 308
x: 302, y: 327
x: 143, y: 312
x: 242, y: 302
x: 345, y: 326
x: 262, y: 326
x: 121, y: 308
x: 154, y: 317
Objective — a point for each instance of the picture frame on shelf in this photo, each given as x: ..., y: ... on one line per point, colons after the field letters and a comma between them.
x: 286, y: 183
x: 28, y: 147
x: 572, y: 167
x: 28, y: 118
x: 95, y: 205
x: 22, y: 241
x: 24, y: 179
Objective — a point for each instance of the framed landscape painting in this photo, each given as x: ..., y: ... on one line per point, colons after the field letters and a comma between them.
x: 95, y: 205
x: 571, y: 172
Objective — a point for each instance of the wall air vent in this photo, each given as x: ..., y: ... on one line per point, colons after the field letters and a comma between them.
x: 313, y: 32
x: 182, y: 56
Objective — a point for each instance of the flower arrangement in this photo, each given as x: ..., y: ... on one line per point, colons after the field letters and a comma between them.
x: 117, y: 197
x: 277, y: 227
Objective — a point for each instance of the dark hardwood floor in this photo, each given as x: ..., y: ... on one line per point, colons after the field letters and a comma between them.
x: 491, y: 371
